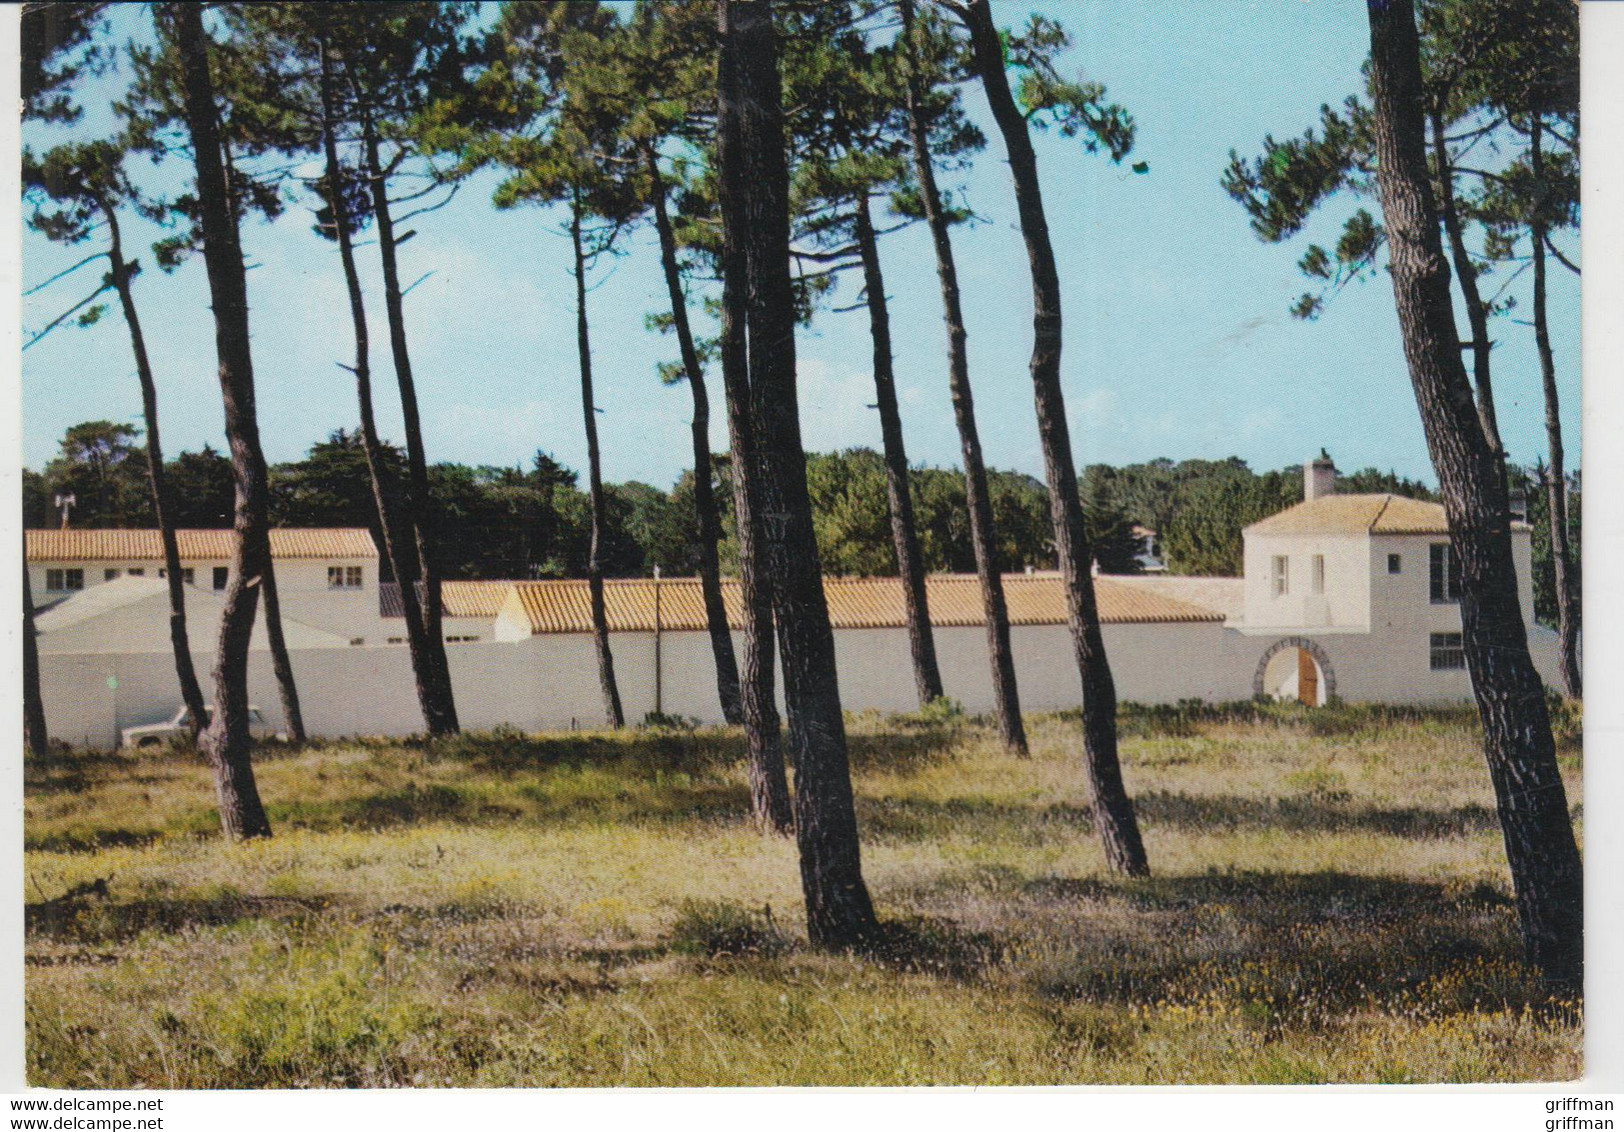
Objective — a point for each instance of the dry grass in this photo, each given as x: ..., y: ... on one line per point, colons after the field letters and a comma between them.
x: 1329, y: 905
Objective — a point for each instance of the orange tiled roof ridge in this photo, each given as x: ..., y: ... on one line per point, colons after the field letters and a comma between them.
x: 1378, y: 514
x: 85, y: 544
x: 563, y: 605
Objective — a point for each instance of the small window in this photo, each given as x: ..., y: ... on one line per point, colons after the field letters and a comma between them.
x: 1447, y: 652
x: 358, y: 640
x: 109, y: 575
x: 454, y: 640
x: 1282, y: 576
x: 137, y: 571
x: 67, y: 580
x: 222, y: 574
x: 188, y: 575
x: 1316, y: 578
x: 1445, y: 574
x: 1395, y: 564
x: 397, y: 640
x: 343, y: 577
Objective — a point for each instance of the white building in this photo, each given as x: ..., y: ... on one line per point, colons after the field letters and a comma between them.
x: 1349, y: 596
x: 324, y: 576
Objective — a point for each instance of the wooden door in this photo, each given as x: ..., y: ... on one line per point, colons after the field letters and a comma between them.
x: 1307, y: 678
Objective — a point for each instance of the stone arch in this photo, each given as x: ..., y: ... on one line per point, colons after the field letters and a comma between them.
x: 1312, y: 648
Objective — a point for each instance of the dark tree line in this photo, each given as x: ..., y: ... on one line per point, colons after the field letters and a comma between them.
x: 506, y: 523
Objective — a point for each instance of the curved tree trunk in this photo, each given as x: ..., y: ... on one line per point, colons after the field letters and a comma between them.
x: 754, y: 181
x: 613, y: 712
x: 709, y: 525
x: 35, y: 733
x: 191, y: 692
x: 401, y: 564
x: 1477, y: 314
x: 418, y: 504
x: 1517, y: 745
x: 227, y: 742
x: 904, y: 531
x: 1567, y: 612
x: 1113, y: 812
x: 978, y: 497
x: 281, y: 663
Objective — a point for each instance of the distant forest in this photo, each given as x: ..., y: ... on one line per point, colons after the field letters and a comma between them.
x: 535, y: 522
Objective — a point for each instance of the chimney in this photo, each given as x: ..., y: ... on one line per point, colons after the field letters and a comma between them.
x: 1319, y: 478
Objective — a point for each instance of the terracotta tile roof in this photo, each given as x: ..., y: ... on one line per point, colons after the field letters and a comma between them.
x: 564, y: 606
x: 1356, y: 515
x: 458, y: 598
x: 107, y: 545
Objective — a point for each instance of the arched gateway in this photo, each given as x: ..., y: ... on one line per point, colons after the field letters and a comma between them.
x: 1313, y: 670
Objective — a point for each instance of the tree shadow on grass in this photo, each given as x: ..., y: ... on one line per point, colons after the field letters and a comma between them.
x: 901, y: 752
x: 918, y: 819
x: 1288, y: 949
x: 1310, y: 813
x: 650, y: 800
x: 88, y: 917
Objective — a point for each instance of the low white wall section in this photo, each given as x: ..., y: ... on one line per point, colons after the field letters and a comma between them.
x: 551, y: 682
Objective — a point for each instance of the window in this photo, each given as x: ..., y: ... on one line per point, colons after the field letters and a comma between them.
x: 221, y: 575
x: 66, y: 580
x: 1445, y: 574
x: 397, y: 640
x: 1395, y: 564
x: 185, y: 574
x: 1447, y: 652
x: 1316, y: 580
x: 109, y: 575
x: 1282, y: 578
x: 452, y: 640
x: 343, y: 577
x: 358, y: 641
x: 137, y: 571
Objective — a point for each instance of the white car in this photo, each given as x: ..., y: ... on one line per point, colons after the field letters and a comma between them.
x: 152, y: 734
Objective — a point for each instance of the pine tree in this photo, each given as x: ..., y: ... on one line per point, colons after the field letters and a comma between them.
x: 1082, y: 106
x: 923, y: 59
x: 753, y: 187
x: 227, y: 743
x: 1517, y: 744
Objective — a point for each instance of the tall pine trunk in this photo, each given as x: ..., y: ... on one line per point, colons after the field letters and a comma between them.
x: 1113, y: 812
x: 402, y: 565
x: 709, y: 526
x: 1540, y: 848
x: 191, y: 692
x: 613, y: 713
x: 978, y: 497
x: 418, y: 504
x: 753, y: 178
x: 35, y: 734
x: 1567, y: 613
x: 227, y: 742
x: 769, y: 785
x: 904, y: 531
x: 1477, y: 312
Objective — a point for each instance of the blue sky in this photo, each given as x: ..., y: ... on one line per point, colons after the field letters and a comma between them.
x: 1177, y: 338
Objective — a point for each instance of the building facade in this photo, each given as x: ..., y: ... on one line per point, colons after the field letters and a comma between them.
x: 1352, y: 597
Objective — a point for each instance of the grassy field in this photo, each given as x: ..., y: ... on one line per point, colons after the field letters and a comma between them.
x: 1330, y: 904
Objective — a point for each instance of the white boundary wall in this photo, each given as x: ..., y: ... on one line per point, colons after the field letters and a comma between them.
x: 549, y: 682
